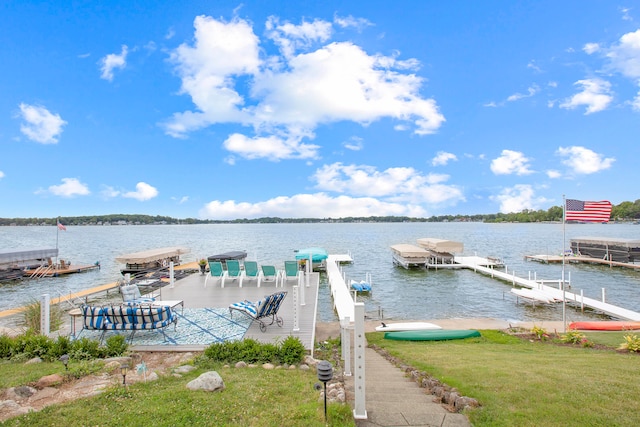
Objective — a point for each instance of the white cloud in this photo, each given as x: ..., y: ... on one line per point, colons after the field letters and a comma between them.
x: 113, y: 61
x: 625, y: 56
x: 271, y: 147
x: 635, y: 104
x: 553, y: 174
x: 442, y: 158
x: 143, y: 192
x: 40, y: 125
x: 534, y: 66
x: 532, y: 90
x: 351, y: 22
x: 583, y: 161
x: 70, y: 187
x: 291, y: 94
x: 318, y: 205
x: 518, y: 198
x: 511, y: 162
x: 354, y: 143
x: 109, y: 192
x: 590, y: 48
x: 291, y: 37
x: 596, y: 95
x: 1, y: 174
x: 625, y: 13
x: 401, y: 184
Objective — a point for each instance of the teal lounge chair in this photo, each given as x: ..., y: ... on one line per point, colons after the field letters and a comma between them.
x: 215, y: 270
x: 270, y: 274
x: 251, y: 271
x: 234, y: 272
x: 291, y: 272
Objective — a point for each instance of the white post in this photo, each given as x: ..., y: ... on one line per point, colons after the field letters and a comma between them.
x: 346, y: 345
x: 360, y: 408
x: 296, y: 310
x: 301, y: 290
x: 603, y: 294
x: 171, y: 276
x: 309, y: 269
x: 581, y: 299
x: 44, y: 315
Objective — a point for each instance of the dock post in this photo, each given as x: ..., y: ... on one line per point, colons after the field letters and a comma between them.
x: 44, y: 314
x: 360, y: 409
x: 513, y: 277
x: 603, y: 294
x: 303, y: 300
x: 172, y: 279
x: 346, y: 345
x: 582, y: 300
x: 296, y: 310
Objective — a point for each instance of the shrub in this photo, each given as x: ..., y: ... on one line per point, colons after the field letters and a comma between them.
x: 292, y: 350
x: 7, y: 344
x: 540, y: 333
x: 84, y: 349
x: 116, y: 345
x: 631, y: 343
x: 31, y: 317
x: 573, y: 337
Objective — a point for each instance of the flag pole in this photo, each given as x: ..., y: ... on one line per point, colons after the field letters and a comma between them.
x: 57, y: 232
x: 564, y: 298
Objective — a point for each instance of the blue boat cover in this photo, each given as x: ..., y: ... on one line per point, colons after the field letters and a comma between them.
x: 318, y: 254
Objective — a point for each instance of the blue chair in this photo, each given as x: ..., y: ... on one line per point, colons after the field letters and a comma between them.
x: 215, y: 270
x: 131, y: 295
x: 251, y: 271
x: 266, y: 307
x: 270, y: 274
x: 291, y: 272
x: 234, y: 272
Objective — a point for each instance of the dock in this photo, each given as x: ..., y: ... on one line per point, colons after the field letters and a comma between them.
x: 342, y: 300
x: 553, y: 293
x: 548, y: 259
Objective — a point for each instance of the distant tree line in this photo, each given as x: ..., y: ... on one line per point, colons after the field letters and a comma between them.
x: 625, y: 211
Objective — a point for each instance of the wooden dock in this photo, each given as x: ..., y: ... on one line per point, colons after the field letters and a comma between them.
x: 59, y: 270
x: 554, y: 293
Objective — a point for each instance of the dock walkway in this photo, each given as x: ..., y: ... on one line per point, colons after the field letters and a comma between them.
x: 555, y: 293
x: 342, y: 300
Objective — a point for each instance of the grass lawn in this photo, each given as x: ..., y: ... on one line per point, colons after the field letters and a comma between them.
x: 252, y: 397
x: 525, y: 383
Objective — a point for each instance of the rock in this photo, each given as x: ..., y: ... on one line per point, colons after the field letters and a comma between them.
x: 268, y: 366
x: 209, y: 381
x: 45, y: 393
x: 12, y: 409
x: 32, y: 361
x: 22, y: 392
x: 49, y: 380
x: 184, y: 369
x: 308, y: 360
x: 304, y: 367
x: 153, y: 376
x: 292, y: 367
x: 241, y: 364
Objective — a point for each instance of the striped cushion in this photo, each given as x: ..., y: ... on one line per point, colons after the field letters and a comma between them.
x: 94, y: 317
x: 247, y: 306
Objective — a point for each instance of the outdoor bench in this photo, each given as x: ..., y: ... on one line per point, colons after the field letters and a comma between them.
x: 127, y: 318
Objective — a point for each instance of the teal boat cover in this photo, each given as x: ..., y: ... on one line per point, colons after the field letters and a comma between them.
x: 317, y: 254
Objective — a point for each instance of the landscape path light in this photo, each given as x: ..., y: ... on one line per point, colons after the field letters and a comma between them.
x: 325, y: 374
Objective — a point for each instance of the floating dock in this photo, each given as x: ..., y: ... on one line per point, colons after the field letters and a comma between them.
x: 342, y: 300
x: 573, y: 259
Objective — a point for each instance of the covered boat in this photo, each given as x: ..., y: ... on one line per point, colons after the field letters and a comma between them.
x: 409, y: 255
x: 150, y: 260
x: 318, y: 257
x: 231, y: 255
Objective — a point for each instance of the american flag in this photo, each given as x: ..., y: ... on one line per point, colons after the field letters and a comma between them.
x: 61, y: 227
x: 577, y: 210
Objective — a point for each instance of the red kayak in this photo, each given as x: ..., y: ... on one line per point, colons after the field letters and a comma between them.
x: 605, y: 325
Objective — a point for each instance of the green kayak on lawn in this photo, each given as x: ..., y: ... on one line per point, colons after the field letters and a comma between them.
x: 432, y: 335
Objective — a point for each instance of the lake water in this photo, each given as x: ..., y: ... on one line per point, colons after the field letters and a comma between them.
x: 398, y: 293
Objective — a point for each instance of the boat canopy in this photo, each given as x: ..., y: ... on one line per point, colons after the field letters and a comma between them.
x: 316, y: 254
x: 29, y: 255
x: 440, y: 245
x: 152, y: 255
x: 409, y: 251
x: 227, y: 256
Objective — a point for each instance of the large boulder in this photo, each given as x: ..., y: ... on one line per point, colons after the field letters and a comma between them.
x: 209, y: 381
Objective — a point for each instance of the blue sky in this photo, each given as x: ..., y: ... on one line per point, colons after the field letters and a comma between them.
x: 226, y: 110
